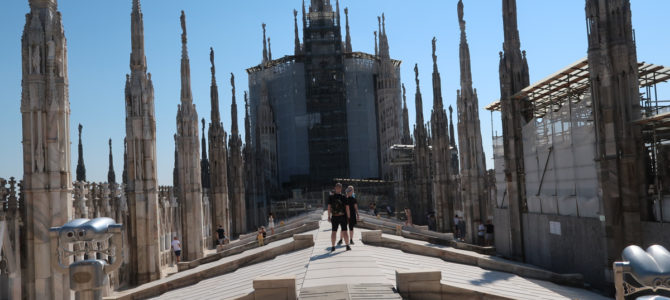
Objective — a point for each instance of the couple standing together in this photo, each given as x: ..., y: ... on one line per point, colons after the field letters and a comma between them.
x: 342, y: 212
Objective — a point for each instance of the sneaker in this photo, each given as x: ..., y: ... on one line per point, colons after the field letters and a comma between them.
x: 332, y: 249
x: 339, y: 243
x: 351, y: 242
x: 348, y: 248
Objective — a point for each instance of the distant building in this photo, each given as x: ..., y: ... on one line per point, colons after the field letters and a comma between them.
x: 336, y: 112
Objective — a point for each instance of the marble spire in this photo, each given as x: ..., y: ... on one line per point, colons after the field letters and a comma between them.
x: 347, y: 39
x: 443, y: 193
x: 418, y: 102
x: 296, y: 47
x: 265, y: 47
x: 142, y: 185
x: 514, y: 77
x: 47, y: 180
x: 188, y: 156
x: 204, y: 161
x: 111, y: 177
x: 233, y: 109
x: 236, y: 184
x: 218, y: 160
x: 81, y: 168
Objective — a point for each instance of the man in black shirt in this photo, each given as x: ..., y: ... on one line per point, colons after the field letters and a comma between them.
x: 338, y: 214
x: 352, y: 203
x: 222, y: 234
x: 489, y: 233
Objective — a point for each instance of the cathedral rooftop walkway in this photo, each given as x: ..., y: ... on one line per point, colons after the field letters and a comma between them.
x: 365, y: 272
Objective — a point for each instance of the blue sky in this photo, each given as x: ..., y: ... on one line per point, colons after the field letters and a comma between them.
x: 98, y: 32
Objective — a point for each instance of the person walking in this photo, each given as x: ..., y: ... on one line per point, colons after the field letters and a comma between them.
x: 488, y: 238
x: 455, y: 229
x: 221, y: 234
x: 338, y: 213
x: 461, y: 229
x: 481, y: 230
x: 176, y: 248
x: 260, y: 237
x: 408, y: 215
x: 271, y: 223
x: 352, y: 203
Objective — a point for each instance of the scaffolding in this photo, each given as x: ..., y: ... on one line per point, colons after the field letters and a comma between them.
x: 559, y: 144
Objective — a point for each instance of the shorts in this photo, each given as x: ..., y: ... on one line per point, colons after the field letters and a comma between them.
x: 352, y: 223
x: 177, y: 253
x: 339, y: 221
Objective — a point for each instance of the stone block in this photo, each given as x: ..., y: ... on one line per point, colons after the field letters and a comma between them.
x: 267, y: 282
x: 275, y: 287
x: 417, y: 280
x: 373, y: 236
x: 298, y: 237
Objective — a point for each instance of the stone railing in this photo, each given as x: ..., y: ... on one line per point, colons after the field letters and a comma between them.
x: 10, y: 222
x: 9, y: 199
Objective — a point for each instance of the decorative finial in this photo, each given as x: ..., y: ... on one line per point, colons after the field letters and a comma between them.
x: 203, y: 126
x: 416, y: 74
x: 213, y: 68
x: 232, y: 82
x: 460, y: 11
x: 211, y: 56
x: 182, y: 18
x: 376, y: 50
x: 434, y: 56
x: 110, y: 144
x: 451, y: 110
x: 295, y: 14
x: 404, y: 98
x: 80, y: 128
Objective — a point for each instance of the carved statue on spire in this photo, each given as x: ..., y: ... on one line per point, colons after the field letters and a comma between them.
x: 265, y: 50
x: 416, y: 75
x: 211, y: 60
x: 232, y: 82
x: 182, y: 18
x: 434, y: 56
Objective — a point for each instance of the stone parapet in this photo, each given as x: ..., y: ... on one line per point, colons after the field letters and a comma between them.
x: 426, y: 285
x: 251, y: 244
x: 473, y: 259
x: 275, y: 288
x: 190, y: 277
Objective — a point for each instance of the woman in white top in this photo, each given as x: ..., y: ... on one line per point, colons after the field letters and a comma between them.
x: 176, y: 247
x: 271, y: 223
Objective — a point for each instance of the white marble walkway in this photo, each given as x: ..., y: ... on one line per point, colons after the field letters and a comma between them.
x: 370, y: 267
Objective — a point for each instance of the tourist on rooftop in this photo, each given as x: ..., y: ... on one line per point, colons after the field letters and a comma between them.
x: 461, y: 228
x: 271, y: 223
x: 352, y: 203
x: 489, y: 233
x: 176, y: 247
x: 455, y: 229
x: 338, y: 214
x: 481, y: 230
x: 222, y: 234
x: 260, y: 237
